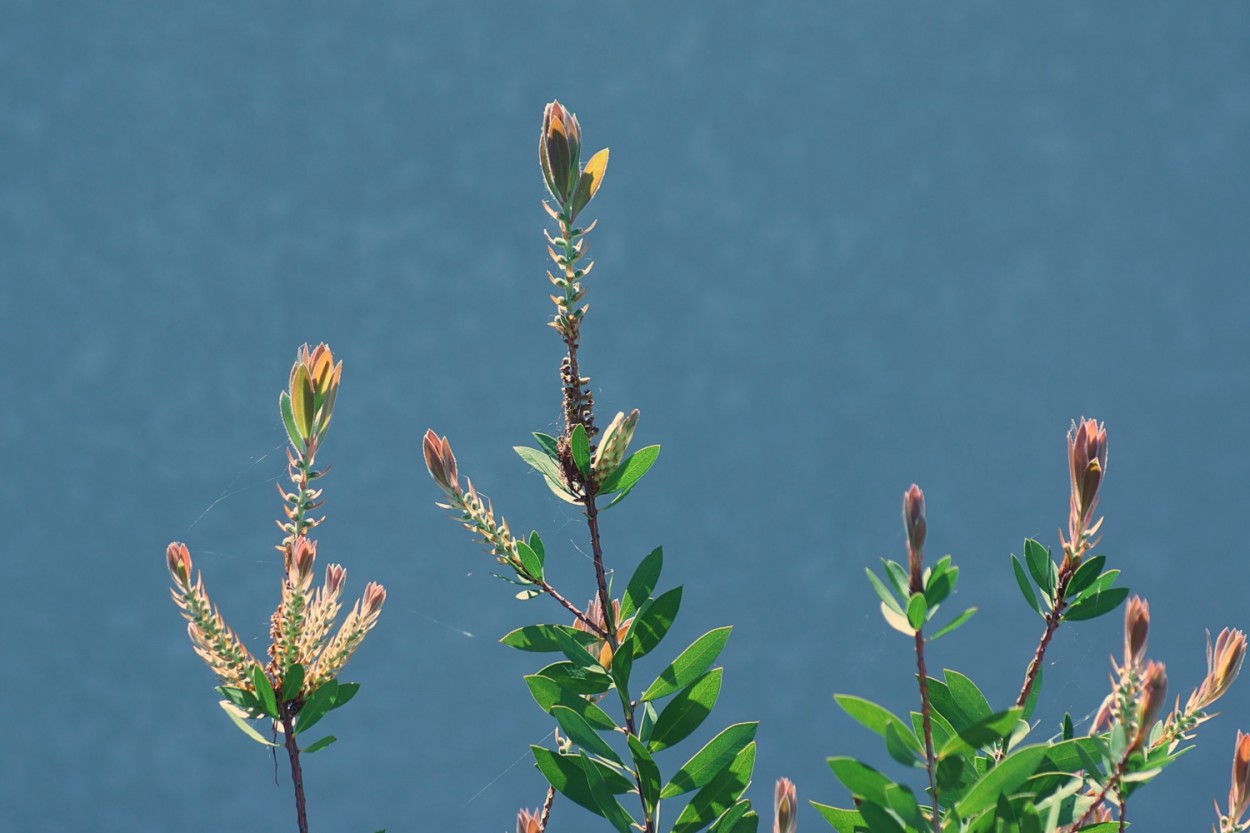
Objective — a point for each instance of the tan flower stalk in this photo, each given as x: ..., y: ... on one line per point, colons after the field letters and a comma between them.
x: 1239, y: 792
x: 322, y: 611
x: 215, y: 643
x: 1223, y: 665
x: 286, y: 626
x: 358, y: 622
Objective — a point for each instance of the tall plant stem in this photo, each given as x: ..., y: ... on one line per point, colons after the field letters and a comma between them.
x: 928, y: 728
x: 297, y: 774
x: 1113, y: 781
x: 545, y: 815
x: 1052, y: 624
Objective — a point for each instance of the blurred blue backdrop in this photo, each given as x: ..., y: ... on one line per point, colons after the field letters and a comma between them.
x: 842, y: 247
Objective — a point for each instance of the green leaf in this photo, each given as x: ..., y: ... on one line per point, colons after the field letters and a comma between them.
x: 1003, y: 779
x: 654, y: 620
x: 917, y: 610
x: 877, y: 719
x: 898, y: 743
x: 630, y: 471
x: 685, y: 712
x: 621, y: 495
x: 1041, y: 567
x: 345, y: 692
x: 642, y: 582
x: 1030, y: 701
x: 318, y: 745
x: 1085, y: 575
x: 648, y: 773
x: 902, y: 801
x: 292, y: 682
x: 844, y: 821
x: 542, y: 638
x: 548, y: 468
x: 952, y: 624
x: 1026, y: 588
x: 264, y: 692
x: 579, y: 444
x: 577, y: 679
x: 1096, y: 604
x: 583, y: 734
x: 622, y: 663
x: 530, y: 562
x: 898, y: 575
x: 862, y: 780
x: 550, y: 445
x: 707, y: 763
x: 879, y: 819
x: 940, y: 585
x: 576, y: 651
x: 548, y: 693
x: 565, y: 773
x: 965, y: 692
x: 317, y: 705
x: 609, y: 807
x: 244, y: 700
x: 288, y: 420
x: 721, y: 793
x: 690, y: 664
x: 728, y: 821
x: 986, y: 731
x: 887, y: 598
x: 239, y: 718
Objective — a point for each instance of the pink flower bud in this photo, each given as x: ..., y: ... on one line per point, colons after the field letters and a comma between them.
x: 374, y: 596
x: 785, y: 807
x: 527, y: 822
x: 914, y: 523
x: 178, y: 559
x: 1154, y: 689
x: 441, y: 462
x: 1136, y: 628
x: 1087, y: 460
x: 1239, y: 793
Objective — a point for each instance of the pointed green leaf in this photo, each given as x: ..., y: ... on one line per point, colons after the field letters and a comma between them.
x: 1026, y: 587
x: 898, y: 743
x: 1095, y: 604
x: 877, y: 719
x: 530, y: 561
x: 728, y: 821
x: 541, y: 463
x: 654, y: 620
x: 1085, y: 574
x: 1041, y: 567
x: 550, y: 445
x: 898, y: 575
x: 690, y: 664
x: 686, y: 712
x: 721, y: 793
x: 542, y: 638
x: 237, y: 716
x: 579, y: 444
x: 917, y: 611
x: 952, y: 624
x: 630, y: 471
x: 245, y: 700
x: 318, y: 745
x: 609, y: 807
x: 940, y: 585
x: 887, y: 598
x: 642, y: 582
x: 316, y: 706
x: 583, y: 734
x: 344, y: 693
x: 844, y: 821
x: 862, y: 780
x: 648, y: 773
x: 264, y: 692
x: 565, y: 773
x: 710, y: 760
x: 1003, y: 779
x: 292, y: 682
x: 965, y: 692
x: 548, y: 693
x: 985, y: 732
x: 288, y: 420
x: 879, y: 820
x: 576, y: 679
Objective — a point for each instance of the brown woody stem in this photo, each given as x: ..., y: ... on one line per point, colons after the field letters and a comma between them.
x: 1052, y: 624
x: 297, y: 774
x: 928, y: 726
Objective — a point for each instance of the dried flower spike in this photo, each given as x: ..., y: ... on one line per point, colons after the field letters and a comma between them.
x: 1223, y: 665
x: 215, y: 643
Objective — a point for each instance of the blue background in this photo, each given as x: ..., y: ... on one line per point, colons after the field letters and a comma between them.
x: 842, y: 247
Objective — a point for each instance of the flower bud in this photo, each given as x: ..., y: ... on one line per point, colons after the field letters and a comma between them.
x: 1223, y: 665
x: 1136, y: 628
x: 441, y: 462
x: 785, y: 807
x: 178, y: 559
x: 1239, y: 793
x: 527, y: 822
x: 336, y: 575
x: 308, y: 402
x: 1087, y: 460
x: 613, y: 445
x: 1154, y: 689
x: 914, y: 523
x: 374, y: 596
x: 559, y: 150
x: 300, y: 558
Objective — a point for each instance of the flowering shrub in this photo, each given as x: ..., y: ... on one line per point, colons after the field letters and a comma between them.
x: 970, y: 766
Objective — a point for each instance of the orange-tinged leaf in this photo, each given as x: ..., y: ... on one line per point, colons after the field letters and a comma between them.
x: 595, y: 169
x: 302, y: 400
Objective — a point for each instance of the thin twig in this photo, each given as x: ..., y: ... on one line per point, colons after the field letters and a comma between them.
x: 297, y: 774
x: 546, y: 811
x: 1052, y: 624
x: 928, y: 727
